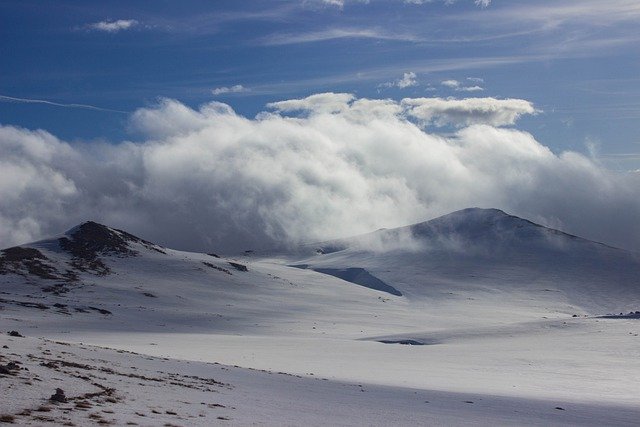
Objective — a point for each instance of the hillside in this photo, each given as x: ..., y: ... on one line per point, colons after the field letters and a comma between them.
x: 496, y: 307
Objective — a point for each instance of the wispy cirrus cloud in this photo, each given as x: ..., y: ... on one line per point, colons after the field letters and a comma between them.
x: 560, y: 27
x: 558, y: 13
x: 386, y: 72
x: 334, y: 34
x: 4, y: 98
x: 112, y: 26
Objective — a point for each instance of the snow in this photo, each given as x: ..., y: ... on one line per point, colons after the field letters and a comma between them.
x: 153, y: 391
x: 493, y: 298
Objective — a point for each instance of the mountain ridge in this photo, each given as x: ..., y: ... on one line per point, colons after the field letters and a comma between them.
x: 459, y: 228
x: 90, y: 238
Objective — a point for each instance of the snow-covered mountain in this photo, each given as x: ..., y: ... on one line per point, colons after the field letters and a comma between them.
x: 497, y: 305
x: 472, y: 250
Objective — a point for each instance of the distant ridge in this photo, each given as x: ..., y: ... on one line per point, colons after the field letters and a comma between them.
x: 488, y: 227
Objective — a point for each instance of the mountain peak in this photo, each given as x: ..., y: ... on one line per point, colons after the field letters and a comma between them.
x: 477, y: 214
x: 488, y: 230
x: 478, y: 219
x: 90, y: 239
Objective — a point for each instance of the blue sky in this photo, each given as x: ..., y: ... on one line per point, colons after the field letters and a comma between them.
x: 577, y: 61
x: 244, y: 124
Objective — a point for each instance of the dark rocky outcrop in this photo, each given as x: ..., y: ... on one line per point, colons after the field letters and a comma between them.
x: 89, y: 240
x: 27, y: 261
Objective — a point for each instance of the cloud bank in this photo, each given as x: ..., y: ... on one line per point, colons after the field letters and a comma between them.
x: 326, y: 166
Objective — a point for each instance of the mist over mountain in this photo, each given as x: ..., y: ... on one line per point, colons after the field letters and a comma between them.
x: 325, y: 166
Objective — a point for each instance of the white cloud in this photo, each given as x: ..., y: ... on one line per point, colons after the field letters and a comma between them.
x: 231, y: 89
x: 408, y: 79
x: 470, y: 89
x: 457, y: 86
x: 113, y: 26
x: 208, y: 178
x: 336, y: 3
x: 453, y: 84
x: 466, y: 112
x: 481, y: 3
x: 321, y: 102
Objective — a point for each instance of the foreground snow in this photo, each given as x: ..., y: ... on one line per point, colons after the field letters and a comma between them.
x: 104, y: 386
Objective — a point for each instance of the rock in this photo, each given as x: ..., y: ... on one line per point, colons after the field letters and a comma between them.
x: 9, y: 368
x: 239, y: 267
x: 58, y: 396
x: 15, y: 334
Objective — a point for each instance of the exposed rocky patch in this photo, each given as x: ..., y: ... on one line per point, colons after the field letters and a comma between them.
x: 28, y: 304
x: 239, y: 267
x: 630, y: 315
x: 26, y: 261
x: 58, y: 307
x: 215, y: 267
x: 402, y: 342
x: 89, y: 240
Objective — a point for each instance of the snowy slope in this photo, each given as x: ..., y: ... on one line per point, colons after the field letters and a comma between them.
x: 121, y: 282
x: 490, y: 297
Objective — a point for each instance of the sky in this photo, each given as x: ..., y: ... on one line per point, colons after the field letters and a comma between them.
x: 238, y: 124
